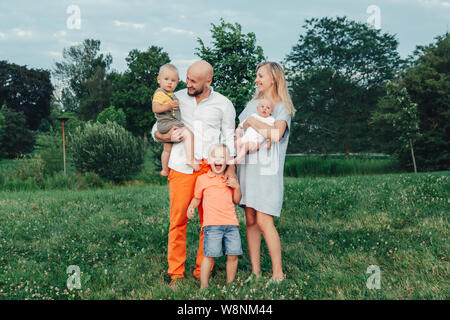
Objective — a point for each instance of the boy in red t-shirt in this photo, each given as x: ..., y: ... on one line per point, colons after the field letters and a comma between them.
x: 220, y: 223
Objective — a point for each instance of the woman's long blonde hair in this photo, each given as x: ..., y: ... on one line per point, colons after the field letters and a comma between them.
x: 280, y: 85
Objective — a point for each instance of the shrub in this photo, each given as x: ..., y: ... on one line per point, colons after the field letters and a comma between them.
x: 106, y: 149
x: 49, y: 148
x: 30, y: 168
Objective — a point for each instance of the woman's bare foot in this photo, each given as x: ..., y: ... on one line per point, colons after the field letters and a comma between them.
x: 164, y: 172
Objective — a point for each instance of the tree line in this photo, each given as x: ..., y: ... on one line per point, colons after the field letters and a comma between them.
x: 352, y: 90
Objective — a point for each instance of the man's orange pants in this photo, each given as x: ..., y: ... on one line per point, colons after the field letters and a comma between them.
x: 181, y: 192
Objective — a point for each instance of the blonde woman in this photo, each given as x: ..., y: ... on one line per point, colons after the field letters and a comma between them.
x: 261, y: 173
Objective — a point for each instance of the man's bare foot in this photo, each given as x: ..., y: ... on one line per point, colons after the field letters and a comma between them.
x: 164, y: 173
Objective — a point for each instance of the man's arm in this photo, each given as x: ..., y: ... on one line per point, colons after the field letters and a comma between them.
x: 173, y: 135
x: 228, y: 125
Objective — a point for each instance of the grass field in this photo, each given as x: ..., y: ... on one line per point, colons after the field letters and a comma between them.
x: 331, y: 229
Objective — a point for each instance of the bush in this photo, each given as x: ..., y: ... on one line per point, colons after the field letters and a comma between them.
x: 30, y: 168
x: 49, y: 148
x: 106, y: 149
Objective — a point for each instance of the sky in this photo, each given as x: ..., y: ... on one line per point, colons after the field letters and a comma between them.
x: 34, y: 33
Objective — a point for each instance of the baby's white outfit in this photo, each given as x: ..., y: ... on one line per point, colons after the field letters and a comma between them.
x: 251, y: 135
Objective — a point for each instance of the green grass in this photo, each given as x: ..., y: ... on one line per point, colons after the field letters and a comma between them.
x: 331, y: 230
x: 315, y: 166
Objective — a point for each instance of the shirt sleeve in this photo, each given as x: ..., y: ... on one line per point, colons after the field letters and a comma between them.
x: 160, y: 98
x: 283, y: 115
x: 228, y: 127
x: 199, y: 187
x: 154, y: 129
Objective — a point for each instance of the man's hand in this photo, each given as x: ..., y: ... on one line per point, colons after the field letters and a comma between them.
x: 173, y: 135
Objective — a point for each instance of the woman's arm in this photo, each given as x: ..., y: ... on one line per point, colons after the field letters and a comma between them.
x: 274, y: 133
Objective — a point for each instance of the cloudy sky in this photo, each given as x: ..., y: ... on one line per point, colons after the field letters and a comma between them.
x: 34, y: 33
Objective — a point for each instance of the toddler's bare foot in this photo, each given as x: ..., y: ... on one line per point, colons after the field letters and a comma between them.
x: 164, y: 172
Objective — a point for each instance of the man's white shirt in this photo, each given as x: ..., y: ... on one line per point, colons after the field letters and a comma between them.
x: 212, y: 121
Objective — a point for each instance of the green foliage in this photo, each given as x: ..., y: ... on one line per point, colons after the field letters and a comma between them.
x: 26, y: 90
x: 428, y: 84
x: 30, y: 168
x: 335, y: 72
x: 133, y: 90
x: 234, y: 56
x: 2, y: 129
x: 397, y: 111
x: 50, y: 150
x: 96, y: 95
x: 310, y: 166
x: 114, y: 115
x: 16, y: 138
x: 106, y: 149
x: 82, y: 64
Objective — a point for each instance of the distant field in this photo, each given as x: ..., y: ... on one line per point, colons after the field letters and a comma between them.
x: 331, y: 230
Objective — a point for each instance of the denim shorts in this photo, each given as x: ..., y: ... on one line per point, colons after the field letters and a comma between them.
x: 215, y: 236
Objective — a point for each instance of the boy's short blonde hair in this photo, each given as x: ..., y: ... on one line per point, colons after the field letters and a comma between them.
x: 167, y: 66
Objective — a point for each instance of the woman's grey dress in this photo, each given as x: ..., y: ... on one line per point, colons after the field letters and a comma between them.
x: 261, y: 174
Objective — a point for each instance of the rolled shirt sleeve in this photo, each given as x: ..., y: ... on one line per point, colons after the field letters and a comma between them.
x: 228, y: 127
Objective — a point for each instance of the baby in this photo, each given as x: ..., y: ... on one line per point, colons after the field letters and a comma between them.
x: 220, y: 223
x: 251, y: 140
x: 167, y: 113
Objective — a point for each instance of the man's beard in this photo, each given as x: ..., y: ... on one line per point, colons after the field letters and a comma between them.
x: 196, y: 92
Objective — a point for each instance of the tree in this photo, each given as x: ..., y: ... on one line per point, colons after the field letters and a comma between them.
x: 80, y: 64
x: 96, y: 96
x: 16, y: 138
x: 2, y: 129
x: 336, y: 72
x: 113, y: 115
x: 26, y: 90
x: 234, y: 56
x: 133, y: 90
x: 428, y: 84
x: 397, y: 110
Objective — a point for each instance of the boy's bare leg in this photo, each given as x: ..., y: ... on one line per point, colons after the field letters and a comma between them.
x: 205, y: 271
x: 232, y: 263
x: 189, y: 149
x: 165, y: 159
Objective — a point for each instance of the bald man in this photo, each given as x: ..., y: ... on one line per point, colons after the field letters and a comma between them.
x: 211, y: 117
